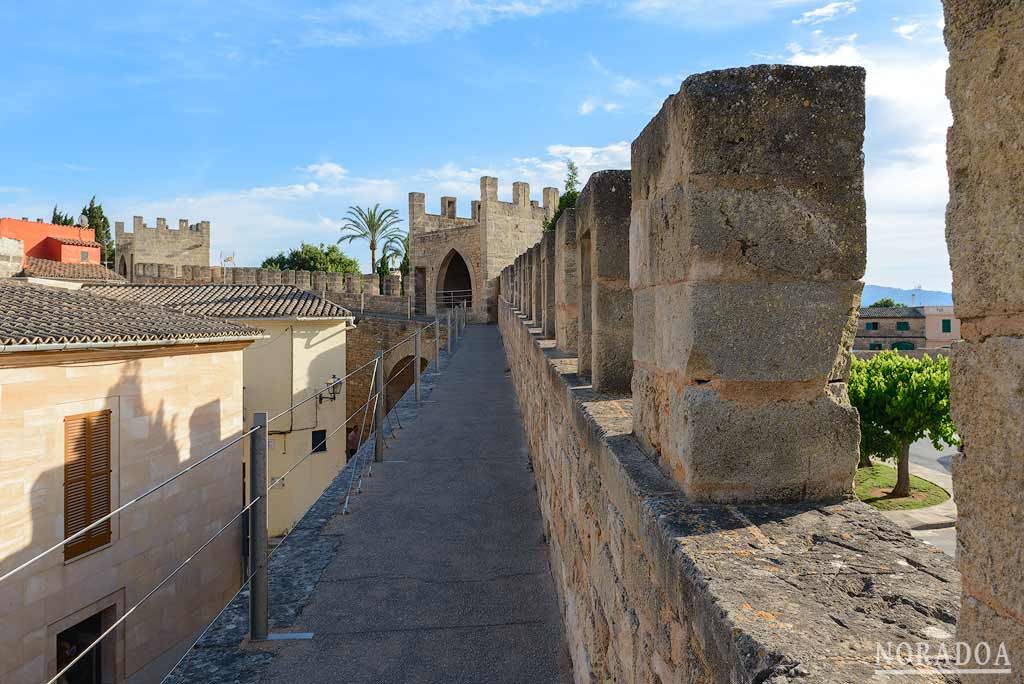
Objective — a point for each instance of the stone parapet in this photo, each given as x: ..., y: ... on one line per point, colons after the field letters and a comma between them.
x: 985, y: 235
x: 567, y: 295
x: 745, y: 252
x: 547, y: 261
x: 657, y: 587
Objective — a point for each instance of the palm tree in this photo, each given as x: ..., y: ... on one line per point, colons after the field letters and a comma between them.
x: 396, y: 250
x: 375, y: 225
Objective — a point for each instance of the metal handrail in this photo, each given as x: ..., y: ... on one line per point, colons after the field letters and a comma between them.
x: 152, y: 591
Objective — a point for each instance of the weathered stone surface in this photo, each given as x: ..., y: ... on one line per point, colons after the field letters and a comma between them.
x: 657, y: 588
x: 988, y: 409
x: 584, y: 261
x: 567, y: 293
x: 771, y: 332
x: 720, y: 232
x: 547, y: 259
x: 985, y: 215
x: 11, y: 253
x: 603, y: 213
x: 537, y: 285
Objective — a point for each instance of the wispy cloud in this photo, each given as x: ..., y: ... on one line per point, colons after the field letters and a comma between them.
x: 832, y: 10
x: 908, y: 31
x: 592, y: 104
x: 713, y: 13
x: 327, y: 170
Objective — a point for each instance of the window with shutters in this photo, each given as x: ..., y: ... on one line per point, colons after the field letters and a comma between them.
x: 86, y: 480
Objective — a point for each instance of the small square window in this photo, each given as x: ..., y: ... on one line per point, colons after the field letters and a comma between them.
x: 84, y: 256
x: 902, y: 325
x: 319, y: 440
x: 871, y: 325
x: 947, y: 325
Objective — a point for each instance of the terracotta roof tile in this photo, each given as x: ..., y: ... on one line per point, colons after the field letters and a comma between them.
x: 890, y: 312
x: 76, y: 243
x: 36, y: 314
x: 229, y: 301
x: 47, y: 268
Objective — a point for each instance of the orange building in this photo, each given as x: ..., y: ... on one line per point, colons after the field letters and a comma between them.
x: 66, y: 244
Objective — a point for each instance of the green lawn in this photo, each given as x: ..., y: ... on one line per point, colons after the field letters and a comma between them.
x: 874, y: 484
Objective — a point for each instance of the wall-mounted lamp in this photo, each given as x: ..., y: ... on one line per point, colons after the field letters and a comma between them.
x: 332, y: 391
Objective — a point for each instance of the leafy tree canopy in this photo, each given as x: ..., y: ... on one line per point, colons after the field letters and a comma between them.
x: 310, y: 257
x: 885, y: 303
x: 901, y: 400
x: 99, y: 222
x: 59, y: 218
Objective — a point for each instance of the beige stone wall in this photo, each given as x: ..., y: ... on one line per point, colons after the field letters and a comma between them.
x: 566, y: 282
x: 167, y: 410
x: 295, y: 362
x: 11, y: 254
x: 984, y: 224
x: 186, y: 245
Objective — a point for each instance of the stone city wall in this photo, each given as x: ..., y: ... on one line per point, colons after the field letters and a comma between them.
x: 11, y: 256
x: 702, y: 525
x: 985, y: 232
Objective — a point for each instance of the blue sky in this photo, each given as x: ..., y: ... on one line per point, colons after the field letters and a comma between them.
x: 271, y: 118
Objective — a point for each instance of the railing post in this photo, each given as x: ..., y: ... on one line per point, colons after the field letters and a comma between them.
x: 378, y: 415
x: 437, y: 343
x: 258, y: 599
x: 417, y: 352
x: 448, y: 315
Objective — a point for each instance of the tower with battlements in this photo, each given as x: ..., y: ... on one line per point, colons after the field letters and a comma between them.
x: 458, y: 260
x: 187, y: 245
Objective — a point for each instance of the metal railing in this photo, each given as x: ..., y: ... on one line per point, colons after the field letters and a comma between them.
x: 259, y: 487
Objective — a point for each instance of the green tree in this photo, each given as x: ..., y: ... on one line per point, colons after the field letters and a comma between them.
x: 59, y: 218
x: 397, y: 248
x: 885, y: 303
x: 313, y: 258
x: 569, y: 196
x: 901, y: 400
x: 99, y: 222
x: 375, y: 225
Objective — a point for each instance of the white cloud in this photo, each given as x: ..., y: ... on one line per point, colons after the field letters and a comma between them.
x: 907, y: 31
x: 611, y: 106
x: 710, y: 12
x: 832, y: 10
x: 327, y: 171
x: 350, y: 23
x: 592, y: 104
x: 587, y: 107
x: 905, y: 159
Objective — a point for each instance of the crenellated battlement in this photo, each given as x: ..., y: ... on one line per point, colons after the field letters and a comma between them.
x: 521, y: 205
x: 185, y: 229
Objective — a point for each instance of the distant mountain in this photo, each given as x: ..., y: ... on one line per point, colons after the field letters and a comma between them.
x: 915, y: 297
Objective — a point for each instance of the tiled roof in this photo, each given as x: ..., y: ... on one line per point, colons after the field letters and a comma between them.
x: 229, y: 301
x: 36, y: 314
x: 47, y: 268
x: 74, y: 242
x: 891, y: 312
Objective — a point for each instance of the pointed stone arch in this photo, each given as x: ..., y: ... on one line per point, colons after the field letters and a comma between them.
x: 454, y: 284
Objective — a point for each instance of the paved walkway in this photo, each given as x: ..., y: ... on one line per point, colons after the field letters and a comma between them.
x: 441, y: 573
x: 935, y: 524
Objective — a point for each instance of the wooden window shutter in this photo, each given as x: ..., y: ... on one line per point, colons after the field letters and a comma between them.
x: 86, y: 480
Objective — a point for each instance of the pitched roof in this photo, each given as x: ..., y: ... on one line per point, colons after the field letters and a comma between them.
x: 47, y: 268
x: 229, y: 301
x: 891, y: 312
x: 36, y: 314
x: 76, y: 242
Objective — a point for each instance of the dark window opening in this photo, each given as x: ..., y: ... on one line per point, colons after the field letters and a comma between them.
x: 319, y: 440
x: 902, y: 325
x: 947, y: 325
x: 875, y: 345
x: 871, y: 325
x: 903, y: 346
x: 72, y: 642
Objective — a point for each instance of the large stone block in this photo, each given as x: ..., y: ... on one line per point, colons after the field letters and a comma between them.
x: 603, y: 214
x: 768, y: 332
x: 547, y: 246
x: 721, y: 232
x: 537, y: 285
x: 743, y: 449
x: 566, y: 282
x: 985, y: 214
x: 988, y: 409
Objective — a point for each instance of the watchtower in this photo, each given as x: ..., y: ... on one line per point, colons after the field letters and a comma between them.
x: 187, y: 245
